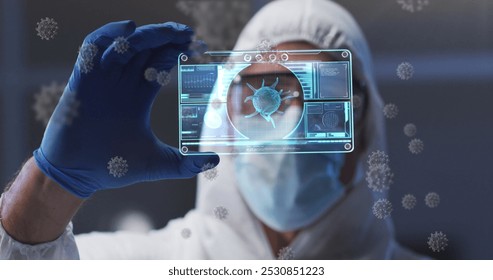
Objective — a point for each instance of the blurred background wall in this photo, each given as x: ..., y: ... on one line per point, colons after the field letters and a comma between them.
x: 449, y: 99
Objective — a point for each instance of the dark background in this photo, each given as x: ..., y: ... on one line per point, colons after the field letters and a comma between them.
x: 449, y: 42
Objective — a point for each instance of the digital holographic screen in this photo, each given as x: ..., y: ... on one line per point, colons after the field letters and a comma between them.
x: 296, y: 101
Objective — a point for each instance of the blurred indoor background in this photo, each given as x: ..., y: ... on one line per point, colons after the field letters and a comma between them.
x: 449, y: 43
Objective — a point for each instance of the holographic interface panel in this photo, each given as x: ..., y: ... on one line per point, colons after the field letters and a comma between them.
x: 282, y: 101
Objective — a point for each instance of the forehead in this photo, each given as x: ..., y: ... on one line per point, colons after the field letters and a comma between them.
x: 271, y: 68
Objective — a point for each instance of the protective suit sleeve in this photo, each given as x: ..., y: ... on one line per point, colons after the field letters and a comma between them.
x: 62, y: 248
x: 124, y: 245
x: 95, y: 245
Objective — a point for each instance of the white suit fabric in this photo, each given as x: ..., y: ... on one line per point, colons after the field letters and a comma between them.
x: 348, y: 230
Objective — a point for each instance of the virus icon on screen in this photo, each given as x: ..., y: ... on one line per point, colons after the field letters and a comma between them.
x: 87, y: 53
x: 409, y: 201
x: 266, y: 101
x: 382, y: 208
x: 163, y: 78
x: 117, y: 167
x: 121, y: 45
x: 186, y: 233
x: 437, y: 241
x: 432, y: 200
x: 209, y: 171
x: 285, y: 253
x: 413, y: 5
x: 377, y: 158
x: 410, y: 130
x: 405, y: 71
x: 390, y: 111
x: 416, y: 146
x: 150, y: 74
x: 47, y: 28
x: 220, y: 212
x: 379, y: 177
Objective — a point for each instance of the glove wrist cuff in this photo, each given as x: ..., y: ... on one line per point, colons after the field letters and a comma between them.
x: 70, y: 183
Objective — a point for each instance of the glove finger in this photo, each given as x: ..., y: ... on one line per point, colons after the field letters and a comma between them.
x: 139, y: 61
x: 172, y: 164
x: 165, y: 58
x: 149, y: 37
x: 105, y: 35
x: 198, y: 163
x: 160, y: 64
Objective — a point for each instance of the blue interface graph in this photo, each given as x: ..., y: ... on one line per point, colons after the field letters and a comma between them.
x: 269, y: 102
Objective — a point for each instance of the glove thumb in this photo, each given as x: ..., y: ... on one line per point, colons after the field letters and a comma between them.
x: 194, y: 164
x: 171, y: 164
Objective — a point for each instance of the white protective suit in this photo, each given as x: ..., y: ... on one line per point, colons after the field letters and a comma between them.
x: 347, y: 231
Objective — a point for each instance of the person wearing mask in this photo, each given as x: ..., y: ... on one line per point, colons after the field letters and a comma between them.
x: 318, y: 206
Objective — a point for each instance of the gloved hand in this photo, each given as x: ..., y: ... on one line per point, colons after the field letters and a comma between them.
x: 99, y: 136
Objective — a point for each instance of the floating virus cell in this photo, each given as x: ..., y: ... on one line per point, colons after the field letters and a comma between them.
x: 163, y: 78
x: 405, y: 71
x: 87, y: 53
x: 285, y: 253
x: 67, y: 110
x: 413, y: 5
x: 357, y: 101
x: 47, y: 28
x: 229, y: 66
x: 121, y: 45
x: 186, y: 233
x: 265, y: 46
x: 266, y: 101
x: 216, y: 103
x: 390, y: 111
x: 416, y: 146
x: 150, y: 74
x: 410, y: 130
x: 409, y: 201
x: 382, y: 208
x: 209, y: 171
x: 379, y: 177
x: 432, y: 200
x: 378, y: 157
x: 219, y: 34
x: 46, y: 101
x: 117, y: 167
x: 197, y: 47
x: 437, y: 241
x: 220, y: 212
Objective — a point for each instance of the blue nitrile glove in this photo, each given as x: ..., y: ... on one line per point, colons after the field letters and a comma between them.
x: 99, y: 136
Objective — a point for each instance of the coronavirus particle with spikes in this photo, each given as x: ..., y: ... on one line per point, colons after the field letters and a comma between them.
x: 437, y: 241
x: 220, y: 212
x: 47, y: 28
x: 390, y: 111
x: 117, y: 167
x: 382, y: 208
x: 405, y: 71
x: 416, y: 146
x: 266, y: 101
x: 286, y: 253
x: 409, y: 201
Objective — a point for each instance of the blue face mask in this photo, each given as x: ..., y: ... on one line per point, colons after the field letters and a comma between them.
x: 287, y: 191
